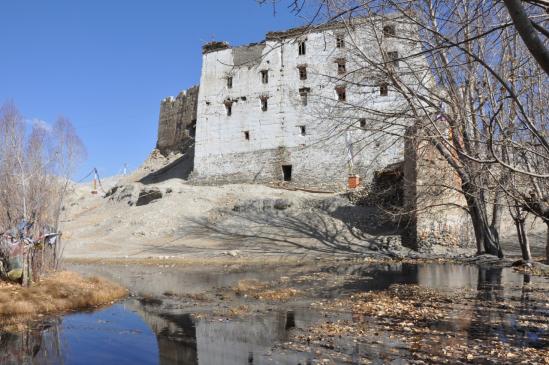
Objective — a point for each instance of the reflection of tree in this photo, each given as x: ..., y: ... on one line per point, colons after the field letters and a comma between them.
x: 495, y: 317
x: 35, y: 345
x: 528, y: 307
x: 487, y: 320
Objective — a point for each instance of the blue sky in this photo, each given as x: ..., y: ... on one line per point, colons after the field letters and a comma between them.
x: 106, y: 64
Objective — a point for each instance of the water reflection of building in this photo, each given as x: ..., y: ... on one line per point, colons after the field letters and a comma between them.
x: 243, y: 341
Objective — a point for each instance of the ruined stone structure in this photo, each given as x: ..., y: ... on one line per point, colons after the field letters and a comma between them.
x: 177, y: 122
x: 437, y: 212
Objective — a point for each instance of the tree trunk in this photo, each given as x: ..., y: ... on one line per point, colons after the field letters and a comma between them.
x: 520, y: 223
x: 30, y: 259
x: 547, y: 244
x: 24, y: 277
x: 3, y: 273
x: 486, y: 236
x: 497, y: 211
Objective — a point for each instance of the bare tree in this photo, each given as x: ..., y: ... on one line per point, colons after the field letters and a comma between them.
x: 469, y: 86
x: 35, y: 170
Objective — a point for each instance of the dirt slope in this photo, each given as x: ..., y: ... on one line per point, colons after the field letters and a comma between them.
x: 174, y: 218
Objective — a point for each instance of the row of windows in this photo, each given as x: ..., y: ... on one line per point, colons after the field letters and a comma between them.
x: 389, y: 31
x: 302, y: 131
x: 302, y: 69
x: 341, y: 92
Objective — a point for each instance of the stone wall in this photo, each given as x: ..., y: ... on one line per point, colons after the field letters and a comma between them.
x: 177, y: 122
x: 432, y: 199
x: 322, y: 165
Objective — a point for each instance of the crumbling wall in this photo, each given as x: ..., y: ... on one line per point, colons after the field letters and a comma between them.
x: 177, y: 122
x: 432, y: 199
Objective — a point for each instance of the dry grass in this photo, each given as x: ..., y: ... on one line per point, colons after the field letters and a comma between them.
x: 60, y: 292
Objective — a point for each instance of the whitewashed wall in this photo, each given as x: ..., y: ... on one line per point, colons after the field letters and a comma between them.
x: 319, y: 157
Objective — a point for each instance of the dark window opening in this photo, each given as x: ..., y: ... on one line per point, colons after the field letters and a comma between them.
x: 247, y: 135
x: 287, y: 172
x: 229, y: 107
x: 264, y: 104
x: 340, y: 41
x: 302, y: 72
x: 301, y: 48
x: 290, y: 320
x: 229, y: 82
x: 341, y: 93
x: 393, y: 58
x: 178, y: 128
x: 302, y: 130
x: 304, y: 93
x: 384, y: 90
x: 341, y: 66
x: 192, y: 129
x: 362, y: 122
x: 389, y: 31
x: 265, y: 76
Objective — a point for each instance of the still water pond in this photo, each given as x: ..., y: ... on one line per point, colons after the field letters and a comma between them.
x: 156, y: 328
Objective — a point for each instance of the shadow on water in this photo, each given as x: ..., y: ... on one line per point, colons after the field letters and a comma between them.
x: 147, y: 332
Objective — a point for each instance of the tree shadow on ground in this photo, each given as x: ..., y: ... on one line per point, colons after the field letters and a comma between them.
x: 276, y: 232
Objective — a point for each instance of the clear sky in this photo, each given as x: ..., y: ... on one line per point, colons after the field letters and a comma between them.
x: 106, y: 64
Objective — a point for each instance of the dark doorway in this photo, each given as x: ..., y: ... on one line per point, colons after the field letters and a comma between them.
x: 287, y: 171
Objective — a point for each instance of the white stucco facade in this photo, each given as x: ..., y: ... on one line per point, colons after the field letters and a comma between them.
x: 252, y: 144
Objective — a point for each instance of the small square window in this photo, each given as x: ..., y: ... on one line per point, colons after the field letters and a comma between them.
x: 393, y: 58
x: 229, y: 82
x: 265, y: 76
x: 229, y: 107
x: 302, y: 130
x: 362, y: 122
x: 341, y: 66
x: 384, y: 90
x: 304, y: 93
x: 247, y: 135
x: 302, y: 72
x: 341, y: 93
x: 389, y: 31
x: 264, y: 104
x: 340, y: 40
x: 301, y: 48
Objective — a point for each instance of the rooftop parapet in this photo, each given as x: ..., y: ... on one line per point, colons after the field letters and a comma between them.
x: 214, y: 47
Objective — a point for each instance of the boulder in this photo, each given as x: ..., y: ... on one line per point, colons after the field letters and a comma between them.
x: 148, y: 195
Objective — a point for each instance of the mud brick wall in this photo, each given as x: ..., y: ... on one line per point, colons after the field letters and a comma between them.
x: 177, y: 120
x: 432, y: 199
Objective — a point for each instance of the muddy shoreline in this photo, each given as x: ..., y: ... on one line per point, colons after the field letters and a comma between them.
x: 317, y: 311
